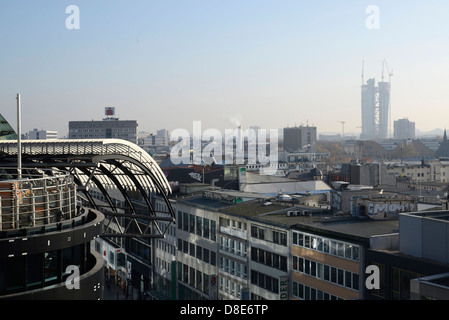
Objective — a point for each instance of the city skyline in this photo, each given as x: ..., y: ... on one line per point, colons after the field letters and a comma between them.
x: 265, y: 63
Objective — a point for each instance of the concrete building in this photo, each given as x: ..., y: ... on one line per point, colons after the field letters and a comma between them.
x: 404, y: 129
x: 110, y: 127
x: 418, y: 267
x: 41, y: 135
x: 421, y: 171
x: 300, y: 138
x: 371, y: 174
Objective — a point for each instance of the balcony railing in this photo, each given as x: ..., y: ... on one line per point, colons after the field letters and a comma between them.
x: 37, y: 199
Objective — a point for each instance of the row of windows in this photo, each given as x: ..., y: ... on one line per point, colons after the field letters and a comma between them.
x: 163, y: 264
x: 200, y: 226
x: 102, y: 130
x: 327, y: 273
x: 233, y: 246
x: 304, y: 292
x: 198, y: 252
x: 333, y: 247
x: 265, y: 281
x: 268, y: 234
x: 35, y: 271
x: 235, y: 268
x: 269, y: 259
x: 194, y: 278
x: 110, y: 124
x: 234, y: 224
x: 230, y: 287
x: 165, y: 246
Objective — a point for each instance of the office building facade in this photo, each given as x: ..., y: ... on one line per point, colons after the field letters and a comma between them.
x: 111, y: 127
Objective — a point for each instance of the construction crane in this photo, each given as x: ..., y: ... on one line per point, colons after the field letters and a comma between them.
x: 390, y: 73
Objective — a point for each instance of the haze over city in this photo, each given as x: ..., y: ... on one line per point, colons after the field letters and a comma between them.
x: 267, y: 63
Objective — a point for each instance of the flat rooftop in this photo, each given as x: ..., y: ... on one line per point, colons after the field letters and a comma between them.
x: 320, y: 220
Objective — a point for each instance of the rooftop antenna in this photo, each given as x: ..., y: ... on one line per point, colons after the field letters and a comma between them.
x: 19, y: 139
x: 363, y: 70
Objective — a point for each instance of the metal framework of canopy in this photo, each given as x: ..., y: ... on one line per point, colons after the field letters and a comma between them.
x: 107, y: 165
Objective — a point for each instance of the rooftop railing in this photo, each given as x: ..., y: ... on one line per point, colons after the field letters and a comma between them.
x: 39, y: 198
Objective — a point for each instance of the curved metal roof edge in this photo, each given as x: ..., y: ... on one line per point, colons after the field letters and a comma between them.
x: 144, y: 158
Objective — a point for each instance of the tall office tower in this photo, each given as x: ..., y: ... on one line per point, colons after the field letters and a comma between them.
x: 404, y: 129
x: 375, y: 109
x: 384, y: 109
x: 368, y: 109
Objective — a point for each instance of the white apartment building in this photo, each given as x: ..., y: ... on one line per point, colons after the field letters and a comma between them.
x: 424, y: 171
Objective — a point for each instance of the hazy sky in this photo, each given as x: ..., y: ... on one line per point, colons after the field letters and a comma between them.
x: 271, y: 63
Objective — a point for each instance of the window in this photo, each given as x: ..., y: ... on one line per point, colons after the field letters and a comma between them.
x: 192, y: 223
x: 348, y: 251
x: 334, y: 248
x: 179, y: 220
x: 320, y: 270
x: 333, y: 275
x: 340, y: 277
x: 206, y: 228
x: 206, y: 255
x: 50, y: 266
x: 213, y: 258
x: 313, y: 268
x: 185, y: 222
x: 199, y: 226
x: 261, y: 234
x: 213, y: 228
x: 326, y: 273
x: 348, y: 279
x: 275, y: 237
x: 307, y: 241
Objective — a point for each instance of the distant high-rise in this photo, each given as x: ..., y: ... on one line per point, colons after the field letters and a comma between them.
x: 375, y: 109
x: 404, y: 129
x: 300, y: 138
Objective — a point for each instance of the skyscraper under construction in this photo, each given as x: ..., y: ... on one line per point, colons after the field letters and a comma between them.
x: 375, y: 109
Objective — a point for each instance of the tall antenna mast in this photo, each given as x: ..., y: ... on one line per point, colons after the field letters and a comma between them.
x: 19, y: 140
x: 363, y: 70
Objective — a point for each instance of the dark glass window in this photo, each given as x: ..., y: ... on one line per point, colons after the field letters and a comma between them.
x: 206, y: 228
x: 34, y: 270
x: 15, y: 271
x: 51, y: 266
